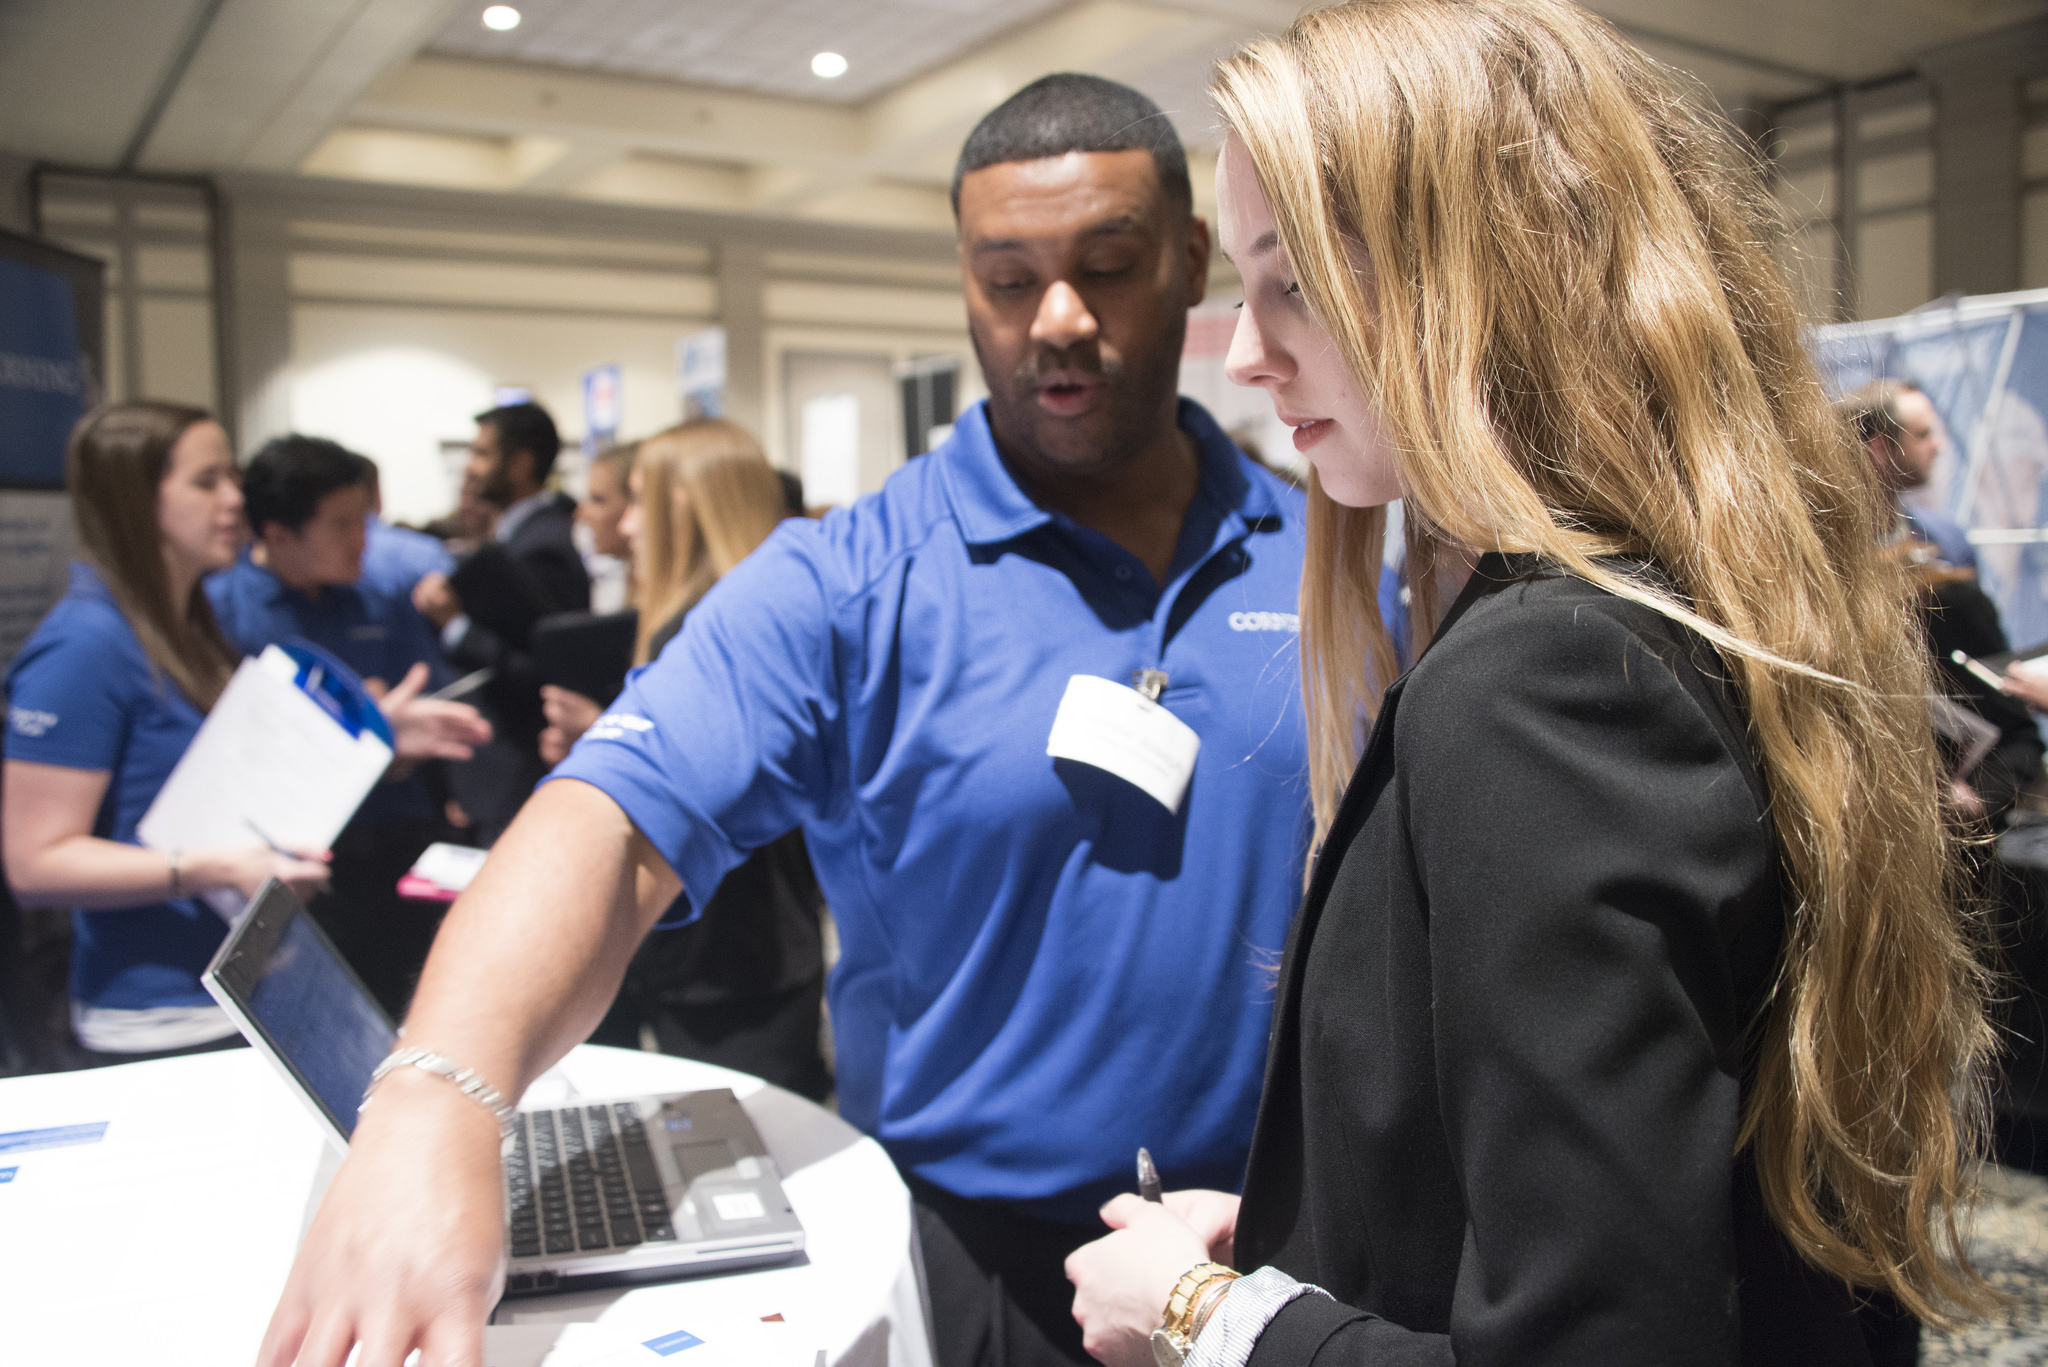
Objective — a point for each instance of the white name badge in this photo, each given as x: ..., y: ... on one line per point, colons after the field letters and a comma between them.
x: 1124, y: 732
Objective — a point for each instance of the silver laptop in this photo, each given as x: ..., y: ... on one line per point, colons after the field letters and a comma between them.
x: 605, y: 1190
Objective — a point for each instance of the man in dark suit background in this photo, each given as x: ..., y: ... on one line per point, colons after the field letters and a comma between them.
x: 509, y: 463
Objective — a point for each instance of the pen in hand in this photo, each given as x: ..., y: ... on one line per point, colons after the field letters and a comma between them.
x: 1148, y: 1177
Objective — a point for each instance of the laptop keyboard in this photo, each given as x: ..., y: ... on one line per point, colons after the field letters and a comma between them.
x: 582, y: 1179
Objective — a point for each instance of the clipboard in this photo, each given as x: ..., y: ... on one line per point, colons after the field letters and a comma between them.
x: 284, y: 758
x: 586, y: 652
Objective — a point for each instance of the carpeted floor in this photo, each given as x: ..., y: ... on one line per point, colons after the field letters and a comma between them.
x: 2010, y: 1247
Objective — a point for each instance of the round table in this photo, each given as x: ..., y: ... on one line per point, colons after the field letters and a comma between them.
x: 151, y: 1211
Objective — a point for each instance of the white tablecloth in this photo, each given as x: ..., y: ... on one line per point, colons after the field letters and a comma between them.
x: 168, y: 1239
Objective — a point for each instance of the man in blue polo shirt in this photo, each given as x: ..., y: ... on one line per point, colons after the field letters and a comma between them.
x: 1058, y: 899
x: 307, y: 500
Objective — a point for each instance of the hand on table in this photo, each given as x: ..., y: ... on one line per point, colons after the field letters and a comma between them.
x: 436, y: 599
x: 429, y: 728
x: 408, y: 1248
x: 1121, y: 1281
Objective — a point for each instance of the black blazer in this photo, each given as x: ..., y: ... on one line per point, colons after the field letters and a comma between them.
x: 1508, y: 1053
x: 544, y: 545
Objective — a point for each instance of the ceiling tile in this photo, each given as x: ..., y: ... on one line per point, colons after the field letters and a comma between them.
x: 763, y: 45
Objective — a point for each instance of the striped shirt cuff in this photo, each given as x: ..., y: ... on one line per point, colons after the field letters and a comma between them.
x: 1227, y: 1339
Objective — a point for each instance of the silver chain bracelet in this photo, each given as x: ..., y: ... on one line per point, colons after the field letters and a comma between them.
x: 467, y: 1080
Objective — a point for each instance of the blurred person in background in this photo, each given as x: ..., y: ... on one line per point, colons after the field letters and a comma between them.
x: 1900, y: 432
x: 605, y: 552
x: 510, y: 461
x: 1897, y: 427
x: 102, y: 701
x: 743, y: 984
x: 307, y: 500
x: 396, y: 559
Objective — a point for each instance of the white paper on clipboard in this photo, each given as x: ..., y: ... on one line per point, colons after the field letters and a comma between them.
x: 269, y: 765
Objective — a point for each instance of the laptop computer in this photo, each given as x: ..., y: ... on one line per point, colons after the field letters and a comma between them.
x: 614, y: 1189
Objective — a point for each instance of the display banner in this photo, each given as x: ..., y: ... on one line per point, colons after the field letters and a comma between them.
x: 52, y: 329
x: 45, y: 379
x: 35, y: 554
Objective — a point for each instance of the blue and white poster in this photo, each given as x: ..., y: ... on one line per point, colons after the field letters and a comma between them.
x: 45, y: 386
x: 700, y: 373
x: 604, y: 404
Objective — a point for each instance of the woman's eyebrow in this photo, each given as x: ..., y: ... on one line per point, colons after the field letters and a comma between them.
x: 1263, y: 243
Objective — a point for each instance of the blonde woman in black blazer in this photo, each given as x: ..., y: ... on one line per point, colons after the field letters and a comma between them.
x: 1631, y: 1017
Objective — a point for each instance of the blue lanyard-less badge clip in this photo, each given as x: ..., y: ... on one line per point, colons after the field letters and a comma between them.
x: 333, y: 685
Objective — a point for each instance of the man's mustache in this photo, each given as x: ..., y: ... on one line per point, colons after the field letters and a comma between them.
x: 1088, y: 360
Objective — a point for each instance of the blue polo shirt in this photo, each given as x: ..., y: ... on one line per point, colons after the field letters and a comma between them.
x: 397, y: 558
x: 379, y: 637
x: 82, y: 694
x: 1945, y: 532
x: 1041, y: 967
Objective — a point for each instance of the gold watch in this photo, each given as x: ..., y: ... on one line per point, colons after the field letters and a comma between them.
x: 1176, y: 1332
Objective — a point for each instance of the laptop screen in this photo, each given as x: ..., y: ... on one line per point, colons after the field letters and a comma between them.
x: 314, y: 1014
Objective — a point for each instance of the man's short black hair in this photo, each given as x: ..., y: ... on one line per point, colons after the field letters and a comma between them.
x: 286, y: 480
x: 1068, y: 112
x: 1873, y: 411
x: 525, y: 427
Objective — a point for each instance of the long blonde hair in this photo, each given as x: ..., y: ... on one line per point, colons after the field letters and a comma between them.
x: 114, y: 468
x: 708, y: 496
x: 1574, y: 331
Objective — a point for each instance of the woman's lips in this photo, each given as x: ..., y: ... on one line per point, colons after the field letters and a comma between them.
x: 1307, y: 434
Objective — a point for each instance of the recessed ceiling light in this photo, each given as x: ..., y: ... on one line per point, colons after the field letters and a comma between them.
x: 830, y: 65
x: 501, y: 17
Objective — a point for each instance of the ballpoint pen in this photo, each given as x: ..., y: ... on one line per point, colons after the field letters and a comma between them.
x: 1148, y: 1177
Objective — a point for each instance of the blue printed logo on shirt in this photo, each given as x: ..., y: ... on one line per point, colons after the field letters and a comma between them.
x: 29, y: 722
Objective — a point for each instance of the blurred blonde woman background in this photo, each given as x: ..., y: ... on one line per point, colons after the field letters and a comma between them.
x: 1631, y: 1017
x: 606, y: 554
x: 742, y: 985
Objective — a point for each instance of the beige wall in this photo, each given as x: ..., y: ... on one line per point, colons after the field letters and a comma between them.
x: 403, y: 312
x: 156, y: 238
x: 1855, y: 182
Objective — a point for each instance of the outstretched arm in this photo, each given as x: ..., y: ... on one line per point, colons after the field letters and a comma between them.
x: 407, y: 1250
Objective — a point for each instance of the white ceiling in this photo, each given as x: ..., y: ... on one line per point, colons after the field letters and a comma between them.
x: 77, y: 75
x: 759, y: 45
x: 711, y: 103
x: 1746, y: 50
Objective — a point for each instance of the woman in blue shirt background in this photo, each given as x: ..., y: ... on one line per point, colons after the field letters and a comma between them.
x: 102, y: 701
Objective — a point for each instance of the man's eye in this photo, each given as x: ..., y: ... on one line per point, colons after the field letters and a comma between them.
x: 1009, y: 286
